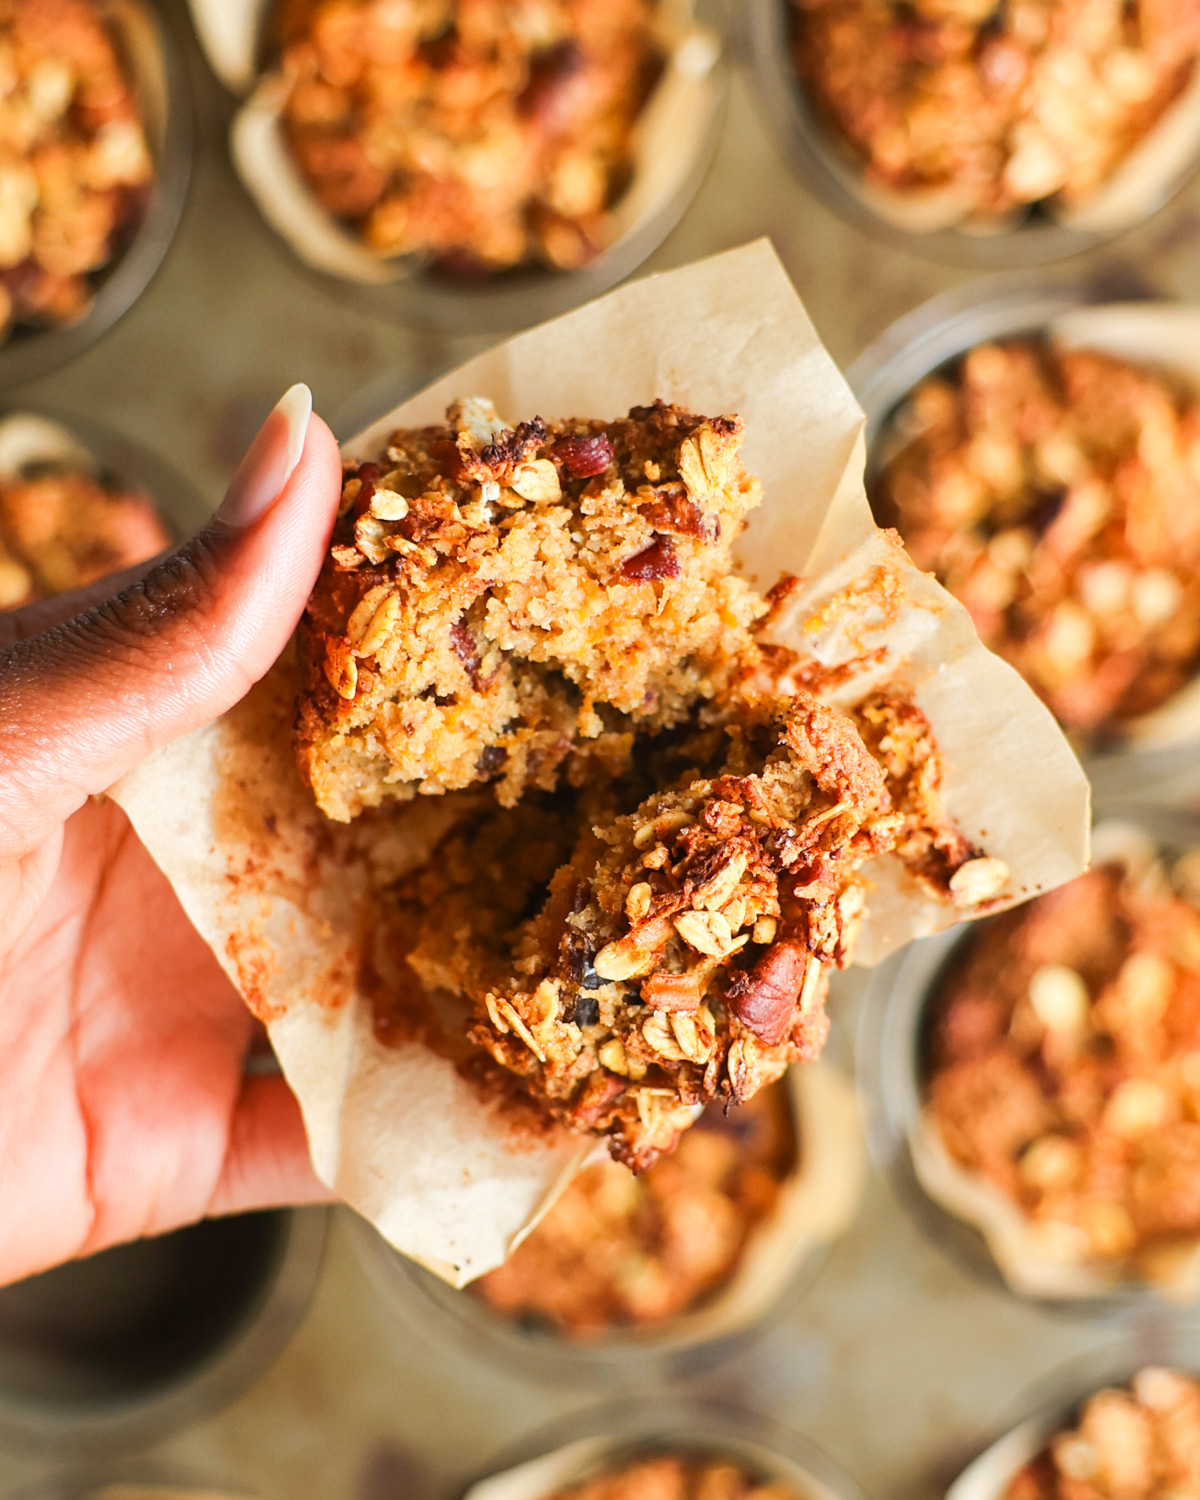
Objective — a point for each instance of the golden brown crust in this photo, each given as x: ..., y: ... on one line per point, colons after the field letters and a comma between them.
x: 1137, y: 1444
x: 674, y: 1476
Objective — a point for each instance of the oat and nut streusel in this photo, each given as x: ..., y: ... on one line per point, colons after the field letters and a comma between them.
x: 676, y: 1476
x: 483, y: 135
x: 75, y: 168
x: 1137, y: 1444
x: 61, y: 529
x: 618, y: 1250
x: 1056, y: 492
x: 998, y: 104
x: 548, y: 613
x: 1065, y: 1064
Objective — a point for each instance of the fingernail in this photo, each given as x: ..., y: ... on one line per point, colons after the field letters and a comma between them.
x: 270, y: 461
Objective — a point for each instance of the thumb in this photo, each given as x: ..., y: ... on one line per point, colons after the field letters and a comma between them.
x: 85, y: 701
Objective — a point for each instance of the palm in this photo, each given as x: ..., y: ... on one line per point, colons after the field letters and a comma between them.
x: 121, y: 1052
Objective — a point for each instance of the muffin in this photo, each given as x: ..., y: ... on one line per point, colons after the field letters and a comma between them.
x: 676, y: 1476
x: 619, y: 1251
x: 62, y: 529
x: 655, y: 864
x: 1056, y: 493
x: 978, y: 111
x: 1062, y: 1085
x: 1140, y: 1443
x: 77, y: 170
x: 481, y: 138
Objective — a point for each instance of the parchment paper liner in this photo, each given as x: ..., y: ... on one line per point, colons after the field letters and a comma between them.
x: 668, y: 139
x: 541, y: 1477
x: 988, y: 1476
x: 1140, y: 184
x: 1029, y: 1263
x: 1165, y: 336
x: 395, y: 1131
x: 817, y: 1202
x: 28, y: 439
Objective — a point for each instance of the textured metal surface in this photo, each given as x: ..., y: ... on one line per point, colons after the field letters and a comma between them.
x: 896, y: 1360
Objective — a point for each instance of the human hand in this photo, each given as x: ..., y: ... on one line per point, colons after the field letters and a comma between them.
x: 124, y: 1106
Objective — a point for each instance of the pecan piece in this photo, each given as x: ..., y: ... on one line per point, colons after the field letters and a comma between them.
x: 582, y: 457
x: 674, y: 992
x: 764, y: 999
x: 656, y: 561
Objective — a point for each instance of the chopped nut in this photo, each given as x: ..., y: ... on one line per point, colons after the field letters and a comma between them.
x: 341, y: 670
x: 537, y: 482
x: 695, y: 1038
x: 633, y: 954
x: 978, y: 880
x: 380, y: 620
x: 1135, y: 1108
x: 764, y: 930
x: 717, y: 890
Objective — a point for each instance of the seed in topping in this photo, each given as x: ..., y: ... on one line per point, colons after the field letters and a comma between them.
x: 341, y: 670
x: 652, y: 563
x: 537, y: 481
x: 382, y: 623
x: 978, y: 880
x: 613, y: 1056
x: 1059, y: 998
x: 1135, y: 1108
x: 583, y: 456
x: 765, y: 999
x: 694, y: 1036
x: 661, y: 828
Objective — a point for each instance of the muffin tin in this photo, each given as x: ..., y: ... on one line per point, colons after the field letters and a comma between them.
x: 900, y: 1361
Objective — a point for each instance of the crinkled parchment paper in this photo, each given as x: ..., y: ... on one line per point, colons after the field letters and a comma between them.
x: 668, y: 139
x: 284, y: 897
x: 1032, y: 1258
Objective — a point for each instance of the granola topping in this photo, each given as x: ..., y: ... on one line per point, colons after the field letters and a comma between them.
x: 997, y: 105
x: 62, y: 529
x: 1140, y: 1443
x: 1065, y: 1062
x: 1055, y: 492
x: 484, y: 136
x: 676, y: 1476
x: 75, y: 168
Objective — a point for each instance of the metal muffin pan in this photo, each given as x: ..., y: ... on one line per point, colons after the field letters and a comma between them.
x: 109, y: 1351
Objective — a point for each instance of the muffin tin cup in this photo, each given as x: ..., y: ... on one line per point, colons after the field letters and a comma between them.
x: 967, y: 1218
x: 1055, y: 1399
x: 1144, y: 182
x: 34, y: 437
x: 583, y: 1444
x: 48, y: 1404
x: 784, y: 1254
x: 146, y: 34
x: 1155, y: 761
x: 406, y: 289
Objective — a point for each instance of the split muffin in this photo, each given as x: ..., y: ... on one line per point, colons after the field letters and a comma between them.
x: 656, y: 864
x: 1056, y: 493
